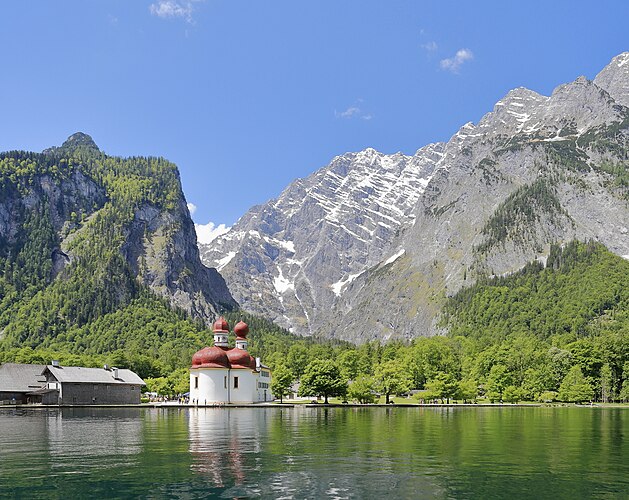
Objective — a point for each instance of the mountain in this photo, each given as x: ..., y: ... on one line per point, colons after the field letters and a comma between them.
x: 300, y: 251
x: 536, y: 171
x: 84, y: 236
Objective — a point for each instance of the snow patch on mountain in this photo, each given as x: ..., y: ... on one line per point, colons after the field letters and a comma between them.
x: 221, y: 263
x: 339, y: 285
x: 394, y: 257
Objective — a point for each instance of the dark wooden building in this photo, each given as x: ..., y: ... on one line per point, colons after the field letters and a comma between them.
x: 85, y: 386
x: 21, y: 384
x: 68, y: 385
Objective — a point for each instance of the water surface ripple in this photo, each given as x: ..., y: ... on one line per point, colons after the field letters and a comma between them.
x: 315, y: 453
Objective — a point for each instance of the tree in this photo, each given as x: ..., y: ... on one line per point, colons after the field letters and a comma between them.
x: 575, y: 388
x: 497, y: 382
x: 179, y: 380
x: 282, y: 379
x: 322, y: 378
x: 468, y: 390
x: 512, y: 394
x: 362, y: 389
x: 606, y: 383
x: 160, y: 385
x: 443, y: 386
x: 624, y: 389
x: 392, y: 378
x: 538, y: 380
x: 349, y: 364
x: 547, y: 396
x: 297, y: 359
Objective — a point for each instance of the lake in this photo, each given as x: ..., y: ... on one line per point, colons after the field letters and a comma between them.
x: 315, y: 453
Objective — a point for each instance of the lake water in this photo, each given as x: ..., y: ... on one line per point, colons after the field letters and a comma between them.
x: 315, y: 453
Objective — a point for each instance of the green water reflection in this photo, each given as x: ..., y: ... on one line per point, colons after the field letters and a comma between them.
x: 315, y: 453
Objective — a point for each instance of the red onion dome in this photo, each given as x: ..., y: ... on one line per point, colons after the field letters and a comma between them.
x: 241, y: 329
x: 239, y: 358
x: 221, y: 325
x: 210, y: 357
x: 252, y: 363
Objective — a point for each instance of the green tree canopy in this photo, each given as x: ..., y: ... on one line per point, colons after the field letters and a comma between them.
x: 361, y: 389
x: 575, y: 388
x: 322, y: 377
x: 392, y: 378
x: 280, y: 383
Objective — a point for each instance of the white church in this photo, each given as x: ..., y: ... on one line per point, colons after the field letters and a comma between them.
x: 224, y: 375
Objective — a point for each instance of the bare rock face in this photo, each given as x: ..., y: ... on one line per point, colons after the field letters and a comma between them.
x: 162, y: 250
x: 291, y: 258
x: 615, y: 79
x: 158, y: 243
x: 537, y: 170
x: 370, y: 246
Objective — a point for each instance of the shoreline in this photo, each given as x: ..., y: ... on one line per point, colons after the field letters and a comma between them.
x: 177, y: 406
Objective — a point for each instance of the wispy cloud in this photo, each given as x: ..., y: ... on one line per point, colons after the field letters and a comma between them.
x: 453, y: 64
x: 430, y: 46
x: 354, y: 111
x: 209, y: 232
x: 192, y: 208
x: 172, y: 9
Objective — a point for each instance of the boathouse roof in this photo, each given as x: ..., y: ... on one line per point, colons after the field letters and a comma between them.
x: 21, y: 378
x: 79, y: 374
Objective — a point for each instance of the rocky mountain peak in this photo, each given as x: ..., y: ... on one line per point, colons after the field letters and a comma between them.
x: 614, y: 78
x: 79, y: 139
x: 521, y: 95
x: 75, y: 141
x: 300, y: 251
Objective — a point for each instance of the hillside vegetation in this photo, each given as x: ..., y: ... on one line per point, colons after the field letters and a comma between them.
x: 69, y: 279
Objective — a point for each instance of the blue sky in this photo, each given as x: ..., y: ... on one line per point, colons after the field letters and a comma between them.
x: 246, y: 96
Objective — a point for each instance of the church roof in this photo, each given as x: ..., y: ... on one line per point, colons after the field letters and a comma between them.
x: 210, y: 357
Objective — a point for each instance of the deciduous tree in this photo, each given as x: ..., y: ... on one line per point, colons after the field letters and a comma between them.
x: 322, y: 377
x: 392, y: 378
x: 575, y: 388
x: 280, y: 383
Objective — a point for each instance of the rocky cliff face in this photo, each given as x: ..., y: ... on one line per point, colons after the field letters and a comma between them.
x: 291, y: 258
x: 91, y: 210
x: 536, y: 170
x: 161, y: 247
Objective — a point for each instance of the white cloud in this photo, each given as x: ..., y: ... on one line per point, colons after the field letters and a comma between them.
x: 168, y: 9
x: 453, y: 64
x: 353, y: 112
x: 192, y: 208
x: 348, y: 113
x: 208, y: 232
x: 430, y: 46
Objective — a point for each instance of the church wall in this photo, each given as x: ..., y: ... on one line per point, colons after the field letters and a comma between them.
x: 246, y: 386
x: 211, y: 386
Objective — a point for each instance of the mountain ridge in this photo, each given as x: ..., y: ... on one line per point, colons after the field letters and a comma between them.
x: 575, y: 140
